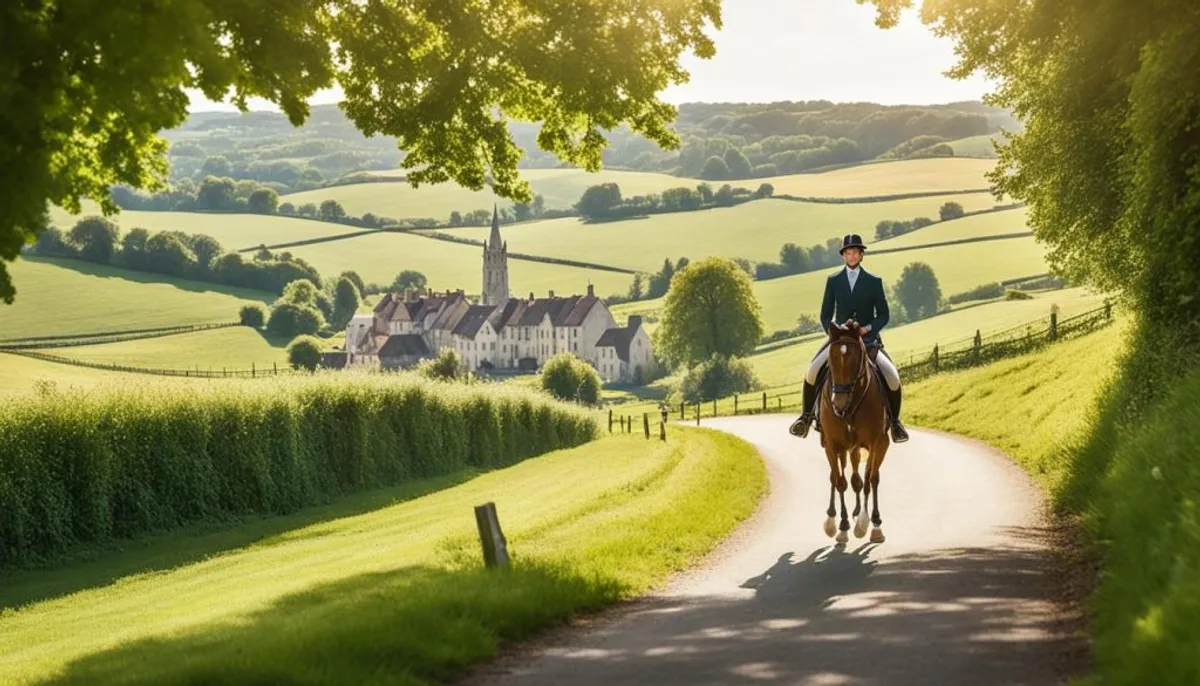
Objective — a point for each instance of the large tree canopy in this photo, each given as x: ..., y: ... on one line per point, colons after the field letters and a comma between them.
x: 86, y: 86
x: 710, y: 310
x: 1109, y: 161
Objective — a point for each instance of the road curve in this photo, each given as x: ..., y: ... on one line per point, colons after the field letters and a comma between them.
x: 960, y: 593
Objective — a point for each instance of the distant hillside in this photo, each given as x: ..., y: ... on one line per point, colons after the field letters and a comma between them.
x: 721, y: 141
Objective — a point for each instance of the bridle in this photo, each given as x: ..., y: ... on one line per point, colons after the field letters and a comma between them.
x: 838, y: 389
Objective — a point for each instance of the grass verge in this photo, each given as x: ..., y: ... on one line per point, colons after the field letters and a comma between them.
x: 395, y: 595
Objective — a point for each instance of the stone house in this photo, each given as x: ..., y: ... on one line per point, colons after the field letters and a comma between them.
x: 625, y: 355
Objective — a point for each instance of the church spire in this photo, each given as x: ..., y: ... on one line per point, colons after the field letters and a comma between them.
x: 494, y: 240
x: 495, y: 266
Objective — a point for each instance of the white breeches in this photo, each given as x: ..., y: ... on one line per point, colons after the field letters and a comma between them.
x: 890, y: 374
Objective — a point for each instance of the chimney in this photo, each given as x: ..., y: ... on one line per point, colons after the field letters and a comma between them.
x: 551, y: 294
x: 635, y: 322
x: 531, y: 298
x: 591, y: 291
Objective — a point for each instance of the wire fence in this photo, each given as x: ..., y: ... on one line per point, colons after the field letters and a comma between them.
x: 73, y: 340
x: 224, y: 373
x: 963, y: 354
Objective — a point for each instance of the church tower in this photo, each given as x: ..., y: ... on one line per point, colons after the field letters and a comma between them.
x: 495, y: 266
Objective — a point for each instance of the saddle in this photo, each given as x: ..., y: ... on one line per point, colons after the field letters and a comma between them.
x: 823, y: 378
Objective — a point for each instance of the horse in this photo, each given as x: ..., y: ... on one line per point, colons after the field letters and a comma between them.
x: 854, y: 417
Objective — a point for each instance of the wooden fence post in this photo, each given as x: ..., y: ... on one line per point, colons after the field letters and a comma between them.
x: 662, y: 431
x: 978, y: 344
x: 735, y: 404
x: 714, y: 407
x: 610, y: 420
x: 646, y: 424
x: 780, y: 403
x: 935, y: 359
x: 495, y: 548
x: 682, y: 408
x: 1108, y: 310
x: 697, y: 414
x: 1053, y: 326
x: 252, y: 370
x: 276, y: 365
x: 764, y: 401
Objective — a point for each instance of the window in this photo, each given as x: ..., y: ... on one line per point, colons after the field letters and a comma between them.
x: 575, y: 347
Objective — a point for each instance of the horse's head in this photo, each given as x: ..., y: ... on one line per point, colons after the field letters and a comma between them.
x: 847, y: 364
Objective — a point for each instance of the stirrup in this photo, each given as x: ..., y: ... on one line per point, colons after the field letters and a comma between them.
x: 899, y: 435
x: 800, y: 427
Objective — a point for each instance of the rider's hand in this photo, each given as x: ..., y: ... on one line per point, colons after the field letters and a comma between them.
x: 863, y: 331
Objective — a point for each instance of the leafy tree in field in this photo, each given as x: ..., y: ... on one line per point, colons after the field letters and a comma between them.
x: 331, y: 211
x: 287, y: 209
x: 133, y: 248
x: 300, y: 292
x: 308, y: 209
x: 523, y: 211
x: 409, y: 278
x: 706, y: 193
x: 90, y: 85
x: 263, y: 201
x: 660, y: 282
x: 745, y: 265
x: 289, y: 320
x: 709, y: 310
x: 304, y: 353
x: 681, y: 264
x: 598, y: 201
x: 217, y: 165
x: 206, y: 249
x: 737, y: 164
x: 369, y: 221
x: 569, y: 378
x: 253, y: 316
x: 715, y: 169
x: 456, y: 218
x: 354, y: 279
x: 766, y: 190
x: 794, y: 258
x: 95, y: 238
x: 52, y: 241
x: 216, y: 194
x: 724, y: 196
x: 918, y: 291
x: 539, y: 205
x: 636, y: 289
x: 346, y: 299
x: 951, y: 210
x: 166, y: 253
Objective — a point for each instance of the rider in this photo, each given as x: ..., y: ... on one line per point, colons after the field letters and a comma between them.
x: 854, y: 293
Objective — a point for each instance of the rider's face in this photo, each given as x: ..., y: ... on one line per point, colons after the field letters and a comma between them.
x: 852, y: 257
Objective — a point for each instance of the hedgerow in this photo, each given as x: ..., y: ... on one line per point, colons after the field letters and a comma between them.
x: 77, y: 468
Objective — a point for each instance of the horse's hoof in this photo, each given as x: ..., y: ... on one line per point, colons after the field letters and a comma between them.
x: 830, y: 527
x: 877, y: 536
x: 842, y: 537
x: 860, y: 525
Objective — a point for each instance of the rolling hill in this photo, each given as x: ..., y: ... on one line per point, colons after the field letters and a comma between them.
x: 237, y: 347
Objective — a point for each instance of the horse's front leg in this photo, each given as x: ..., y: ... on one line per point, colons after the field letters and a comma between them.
x: 844, y: 526
x: 860, y: 504
x: 830, y: 513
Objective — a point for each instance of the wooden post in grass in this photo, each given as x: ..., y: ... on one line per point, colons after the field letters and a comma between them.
x: 646, y: 424
x: 276, y: 365
x: 697, y: 414
x: 780, y: 399
x: 764, y: 401
x: 610, y: 420
x: 662, y: 431
x: 1108, y: 310
x: 1053, y: 326
x: 714, y: 407
x: 682, y: 409
x: 978, y: 344
x: 735, y: 404
x: 935, y: 358
x: 495, y: 548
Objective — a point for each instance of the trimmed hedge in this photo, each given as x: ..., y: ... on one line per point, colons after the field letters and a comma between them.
x: 81, y: 468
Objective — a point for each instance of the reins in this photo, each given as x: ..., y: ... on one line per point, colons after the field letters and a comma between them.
x: 863, y: 373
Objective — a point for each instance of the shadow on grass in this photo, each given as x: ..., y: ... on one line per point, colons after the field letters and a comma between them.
x: 837, y: 615
x: 110, y: 272
x: 407, y: 626
x: 101, y: 565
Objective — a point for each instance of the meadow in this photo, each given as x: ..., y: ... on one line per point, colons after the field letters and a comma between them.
x: 237, y: 347
x: 1002, y: 223
x: 72, y: 296
x: 561, y: 189
x: 888, y: 178
x: 22, y: 375
x: 232, y: 231
x: 755, y: 230
x: 385, y: 586
x: 976, y: 146
x: 379, y: 257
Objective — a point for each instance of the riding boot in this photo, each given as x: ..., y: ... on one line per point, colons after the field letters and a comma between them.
x: 800, y: 426
x: 899, y: 435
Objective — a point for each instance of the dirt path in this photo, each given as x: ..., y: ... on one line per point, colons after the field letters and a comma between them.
x: 959, y: 594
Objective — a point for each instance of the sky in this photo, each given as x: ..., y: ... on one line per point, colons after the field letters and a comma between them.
x: 772, y: 50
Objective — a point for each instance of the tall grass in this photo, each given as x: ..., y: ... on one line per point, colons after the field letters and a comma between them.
x: 83, y: 467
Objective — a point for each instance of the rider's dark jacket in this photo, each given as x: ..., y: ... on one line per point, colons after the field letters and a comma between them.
x: 866, y: 304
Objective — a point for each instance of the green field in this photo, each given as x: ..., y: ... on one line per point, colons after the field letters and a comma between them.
x: 382, y: 587
x: 379, y: 257
x: 958, y: 268
x: 238, y: 347
x: 57, y: 297
x: 20, y: 375
x: 561, y: 189
x: 916, y: 340
x: 978, y: 226
x: 232, y: 231
x: 754, y: 230
x: 888, y: 178
x: 976, y: 146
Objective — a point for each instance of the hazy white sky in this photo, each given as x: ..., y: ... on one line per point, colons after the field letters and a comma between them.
x: 773, y: 50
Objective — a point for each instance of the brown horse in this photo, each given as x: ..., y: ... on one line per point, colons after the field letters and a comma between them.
x: 853, y: 419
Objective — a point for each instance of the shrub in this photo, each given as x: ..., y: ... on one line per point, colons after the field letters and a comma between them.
x: 88, y: 467
x: 1014, y: 294
x: 985, y: 292
x: 95, y: 238
x: 304, y: 353
x: 252, y: 316
x: 567, y: 377
x: 447, y: 366
x: 717, y: 377
x: 951, y: 210
x: 289, y: 320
